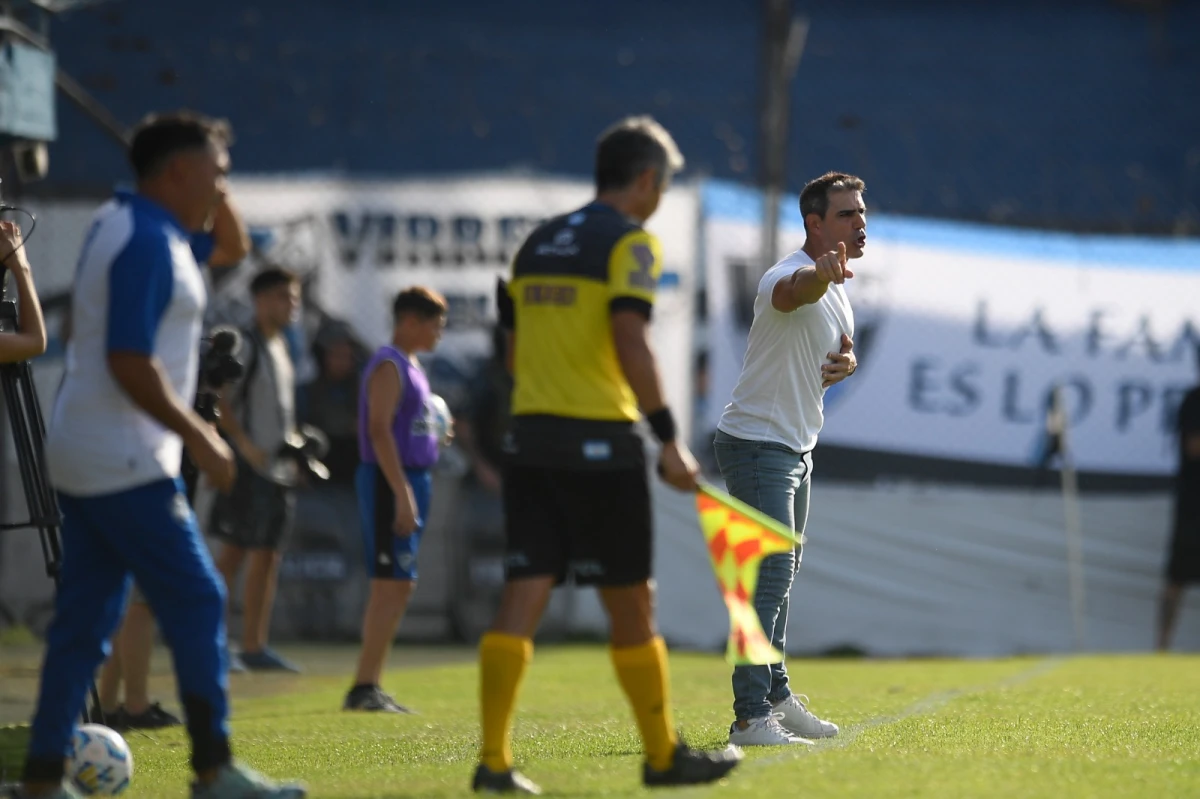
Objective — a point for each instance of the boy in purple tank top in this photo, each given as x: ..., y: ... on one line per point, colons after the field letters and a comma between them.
x: 398, y: 445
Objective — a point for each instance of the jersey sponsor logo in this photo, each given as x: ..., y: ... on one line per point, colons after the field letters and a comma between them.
x: 597, y: 450
x: 548, y: 294
x: 562, y: 246
x: 586, y: 568
x: 643, y: 278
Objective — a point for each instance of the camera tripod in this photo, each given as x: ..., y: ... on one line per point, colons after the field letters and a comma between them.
x: 28, y: 430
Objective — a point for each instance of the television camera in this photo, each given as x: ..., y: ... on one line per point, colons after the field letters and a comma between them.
x: 298, y: 457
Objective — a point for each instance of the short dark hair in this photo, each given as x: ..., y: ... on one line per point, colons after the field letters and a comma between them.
x: 422, y: 302
x: 271, y: 277
x: 814, y: 199
x: 160, y: 136
x: 632, y: 146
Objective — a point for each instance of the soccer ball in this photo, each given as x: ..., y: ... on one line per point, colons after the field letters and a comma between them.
x: 443, y: 421
x: 99, y: 762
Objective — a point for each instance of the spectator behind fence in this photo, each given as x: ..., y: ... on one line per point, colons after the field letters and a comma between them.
x: 482, y: 428
x: 331, y: 400
x: 257, y: 414
x: 1183, y: 560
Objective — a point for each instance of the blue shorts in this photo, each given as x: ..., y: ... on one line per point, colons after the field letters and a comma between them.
x: 390, y: 556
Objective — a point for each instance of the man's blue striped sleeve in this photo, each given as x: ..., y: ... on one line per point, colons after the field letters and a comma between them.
x: 140, y: 285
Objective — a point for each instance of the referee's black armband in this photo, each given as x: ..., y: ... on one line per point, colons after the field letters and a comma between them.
x: 663, y: 425
x: 504, y: 305
x: 631, y: 304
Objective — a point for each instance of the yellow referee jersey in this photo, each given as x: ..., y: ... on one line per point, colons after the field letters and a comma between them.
x: 567, y: 278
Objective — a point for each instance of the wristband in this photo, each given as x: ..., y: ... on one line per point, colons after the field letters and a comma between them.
x: 663, y: 425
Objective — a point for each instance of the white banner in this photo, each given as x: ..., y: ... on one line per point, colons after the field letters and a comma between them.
x: 365, y: 240
x: 962, y: 330
x: 357, y: 243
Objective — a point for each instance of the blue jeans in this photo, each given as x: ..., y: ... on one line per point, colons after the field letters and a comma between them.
x: 775, y: 480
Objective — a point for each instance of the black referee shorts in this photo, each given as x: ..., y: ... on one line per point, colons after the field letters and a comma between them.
x: 592, y: 526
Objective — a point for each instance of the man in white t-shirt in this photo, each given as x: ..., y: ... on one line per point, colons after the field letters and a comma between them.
x: 800, y: 343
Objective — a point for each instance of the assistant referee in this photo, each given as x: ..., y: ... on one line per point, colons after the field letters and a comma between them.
x: 576, y: 498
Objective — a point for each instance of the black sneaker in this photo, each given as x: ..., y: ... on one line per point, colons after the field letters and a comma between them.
x: 691, y: 767
x: 372, y: 698
x: 152, y: 718
x: 511, y: 781
x: 116, y: 720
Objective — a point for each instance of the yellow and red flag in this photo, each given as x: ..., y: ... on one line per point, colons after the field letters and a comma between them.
x: 738, y: 538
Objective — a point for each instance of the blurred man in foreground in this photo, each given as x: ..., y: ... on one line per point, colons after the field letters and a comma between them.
x: 117, y: 433
x: 221, y: 246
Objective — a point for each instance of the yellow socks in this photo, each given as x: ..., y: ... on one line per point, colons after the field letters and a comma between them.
x: 502, y: 662
x: 642, y: 671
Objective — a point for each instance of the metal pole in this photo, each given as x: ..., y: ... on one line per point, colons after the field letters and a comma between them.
x: 1073, y: 525
x: 91, y: 106
x: 784, y: 38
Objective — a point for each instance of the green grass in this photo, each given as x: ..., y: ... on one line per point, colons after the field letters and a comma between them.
x: 18, y: 635
x: 1088, y: 727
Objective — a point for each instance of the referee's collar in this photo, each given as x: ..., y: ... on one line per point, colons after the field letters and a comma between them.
x: 596, y: 205
x: 144, y: 206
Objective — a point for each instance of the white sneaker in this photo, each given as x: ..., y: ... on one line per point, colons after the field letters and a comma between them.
x: 765, y: 731
x: 796, y: 719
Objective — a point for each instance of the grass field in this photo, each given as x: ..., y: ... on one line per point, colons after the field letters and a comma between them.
x: 1081, y: 727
